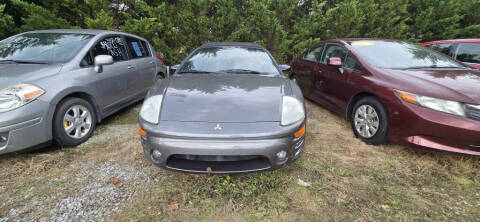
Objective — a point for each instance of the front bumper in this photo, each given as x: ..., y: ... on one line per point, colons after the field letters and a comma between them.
x: 222, y: 155
x: 432, y: 129
x: 25, y: 127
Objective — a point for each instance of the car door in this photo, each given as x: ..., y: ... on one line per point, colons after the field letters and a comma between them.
x: 331, y: 82
x: 145, y: 65
x: 468, y: 53
x: 306, y: 68
x: 115, y: 79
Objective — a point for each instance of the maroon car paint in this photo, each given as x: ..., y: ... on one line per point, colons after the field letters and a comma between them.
x: 336, y: 88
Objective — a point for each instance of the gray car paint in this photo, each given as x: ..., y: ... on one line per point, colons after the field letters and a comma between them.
x: 113, y: 89
x: 247, y: 106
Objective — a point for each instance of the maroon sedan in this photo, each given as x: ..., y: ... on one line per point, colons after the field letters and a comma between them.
x: 393, y: 90
x: 465, y: 50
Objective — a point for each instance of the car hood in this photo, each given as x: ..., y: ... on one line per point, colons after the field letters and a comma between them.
x: 13, y: 73
x: 457, y: 85
x: 223, y: 98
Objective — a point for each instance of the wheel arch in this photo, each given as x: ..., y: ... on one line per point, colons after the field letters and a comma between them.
x: 82, y: 94
x: 356, y: 98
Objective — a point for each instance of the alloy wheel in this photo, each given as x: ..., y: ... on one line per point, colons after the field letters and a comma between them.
x: 77, y: 121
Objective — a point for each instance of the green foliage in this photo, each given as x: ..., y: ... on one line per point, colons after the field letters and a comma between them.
x: 285, y: 27
x: 6, y: 23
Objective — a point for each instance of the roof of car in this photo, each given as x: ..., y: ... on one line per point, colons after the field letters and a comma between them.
x: 84, y: 31
x: 451, y: 41
x: 231, y: 44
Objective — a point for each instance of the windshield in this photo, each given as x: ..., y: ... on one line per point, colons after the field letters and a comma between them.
x: 42, y: 47
x: 232, y: 59
x: 401, y: 55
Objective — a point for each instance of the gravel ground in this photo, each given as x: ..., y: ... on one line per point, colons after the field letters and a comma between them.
x: 88, y: 189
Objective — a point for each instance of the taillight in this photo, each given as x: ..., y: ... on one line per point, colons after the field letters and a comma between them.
x: 160, y: 58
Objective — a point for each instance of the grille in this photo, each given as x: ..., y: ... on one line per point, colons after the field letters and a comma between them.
x: 473, y: 111
x: 217, y: 164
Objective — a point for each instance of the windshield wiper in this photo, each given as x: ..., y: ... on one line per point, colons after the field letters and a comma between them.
x: 242, y: 71
x: 194, y: 71
x: 22, y: 62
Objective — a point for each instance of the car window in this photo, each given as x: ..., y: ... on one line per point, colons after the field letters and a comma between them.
x: 351, y: 63
x: 113, y: 46
x: 147, y: 49
x: 42, y: 47
x: 443, y: 48
x: 230, y: 59
x: 314, y: 54
x: 87, y: 60
x: 401, y: 55
x: 468, y: 52
x: 334, y: 51
x: 136, y: 48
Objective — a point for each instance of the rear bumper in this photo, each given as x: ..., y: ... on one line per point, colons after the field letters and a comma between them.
x: 222, y: 155
x: 420, y: 126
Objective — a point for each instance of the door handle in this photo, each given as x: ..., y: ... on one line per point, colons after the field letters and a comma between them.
x: 130, y: 67
x: 151, y: 62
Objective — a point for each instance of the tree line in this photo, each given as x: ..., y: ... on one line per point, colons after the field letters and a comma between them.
x: 285, y: 27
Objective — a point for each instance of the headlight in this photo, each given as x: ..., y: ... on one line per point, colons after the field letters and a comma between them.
x: 292, y: 110
x: 150, y: 110
x: 18, y: 95
x: 441, y: 105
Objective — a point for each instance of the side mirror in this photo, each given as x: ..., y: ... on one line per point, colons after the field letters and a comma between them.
x: 171, y: 69
x: 335, y: 61
x: 102, y: 60
x: 284, y: 67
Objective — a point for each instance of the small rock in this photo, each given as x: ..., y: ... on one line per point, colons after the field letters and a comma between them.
x: 303, y: 183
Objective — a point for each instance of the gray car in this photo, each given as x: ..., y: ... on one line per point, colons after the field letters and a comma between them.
x: 56, y: 85
x: 228, y: 108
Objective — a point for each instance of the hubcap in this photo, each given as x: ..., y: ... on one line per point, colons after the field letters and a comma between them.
x: 77, y: 121
x: 366, y: 121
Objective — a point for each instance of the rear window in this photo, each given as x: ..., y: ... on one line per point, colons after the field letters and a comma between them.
x: 468, y: 52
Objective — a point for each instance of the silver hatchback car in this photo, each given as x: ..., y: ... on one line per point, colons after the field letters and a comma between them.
x: 56, y: 85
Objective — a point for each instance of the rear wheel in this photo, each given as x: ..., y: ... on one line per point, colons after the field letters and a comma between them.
x: 369, y: 121
x: 74, y: 122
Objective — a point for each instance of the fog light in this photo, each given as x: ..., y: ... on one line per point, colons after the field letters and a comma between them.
x: 156, y: 154
x: 3, y: 139
x: 281, y: 155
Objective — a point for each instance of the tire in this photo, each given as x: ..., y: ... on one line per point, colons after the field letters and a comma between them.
x: 293, y: 77
x: 79, y: 123
x: 363, y: 126
x: 159, y: 76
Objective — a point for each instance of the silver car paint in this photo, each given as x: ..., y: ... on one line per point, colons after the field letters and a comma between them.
x: 113, y: 89
x: 246, y: 106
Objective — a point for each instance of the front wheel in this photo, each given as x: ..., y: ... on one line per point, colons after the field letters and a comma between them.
x: 293, y: 77
x: 74, y: 122
x: 369, y: 121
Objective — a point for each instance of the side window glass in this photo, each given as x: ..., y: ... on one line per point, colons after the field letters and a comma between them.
x: 136, y: 48
x: 87, y: 60
x: 147, y: 50
x: 334, y: 51
x: 443, y: 48
x: 113, y: 46
x: 351, y: 63
x: 314, y: 54
x: 468, y: 52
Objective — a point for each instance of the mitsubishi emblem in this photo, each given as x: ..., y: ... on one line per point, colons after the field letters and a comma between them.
x: 218, y: 127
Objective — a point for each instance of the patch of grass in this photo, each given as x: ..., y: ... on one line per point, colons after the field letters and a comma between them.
x: 349, y: 181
